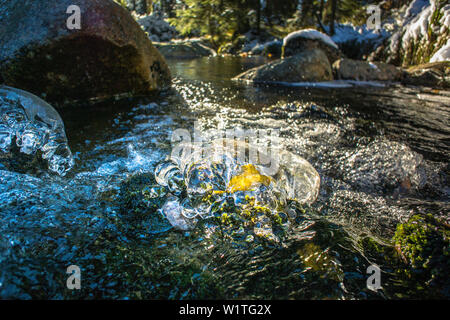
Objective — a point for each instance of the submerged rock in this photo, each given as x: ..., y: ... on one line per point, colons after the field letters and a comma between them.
x: 349, y: 69
x: 309, y: 65
x: 139, y: 201
x: 424, y: 245
x: 31, y: 130
x: 308, y: 39
x: 109, y: 55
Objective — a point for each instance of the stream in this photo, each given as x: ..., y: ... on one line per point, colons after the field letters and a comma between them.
x: 381, y: 153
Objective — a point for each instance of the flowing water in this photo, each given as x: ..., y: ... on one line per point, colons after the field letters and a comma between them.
x: 381, y: 154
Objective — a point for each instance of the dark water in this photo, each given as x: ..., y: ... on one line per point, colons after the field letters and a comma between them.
x: 366, y: 142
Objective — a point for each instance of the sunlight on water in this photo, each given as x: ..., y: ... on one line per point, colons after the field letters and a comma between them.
x: 344, y: 171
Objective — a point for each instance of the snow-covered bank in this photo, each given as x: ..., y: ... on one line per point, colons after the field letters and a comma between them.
x: 357, y: 42
x: 422, y: 35
x: 157, y: 28
x: 443, y: 54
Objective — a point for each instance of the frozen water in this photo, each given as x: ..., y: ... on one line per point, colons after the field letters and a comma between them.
x: 202, y: 181
x: 32, y: 125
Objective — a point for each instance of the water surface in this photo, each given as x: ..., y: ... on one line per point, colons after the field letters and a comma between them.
x: 381, y: 152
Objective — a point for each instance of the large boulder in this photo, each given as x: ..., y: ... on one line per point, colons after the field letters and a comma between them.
x: 186, y: 49
x: 307, y: 39
x: 349, y: 69
x: 109, y: 56
x: 307, y: 66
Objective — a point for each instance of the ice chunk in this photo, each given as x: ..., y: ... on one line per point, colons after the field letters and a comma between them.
x: 203, y: 186
x: 35, y: 128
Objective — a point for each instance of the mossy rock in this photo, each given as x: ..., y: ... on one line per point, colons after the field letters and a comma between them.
x: 245, y: 226
x: 423, y: 243
x: 139, y: 200
x: 416, y: 260
x: 383, y: 254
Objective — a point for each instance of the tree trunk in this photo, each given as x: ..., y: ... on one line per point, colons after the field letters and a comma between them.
x: 149, y: 6
x: 170, y: 9
x: 319, y: 21
x: 258, y: 16
x: 321, y: 8
x: 144, y: 8
x: 333, y: 16
x: 268, y: 12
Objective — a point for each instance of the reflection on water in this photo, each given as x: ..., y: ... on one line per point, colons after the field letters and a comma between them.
x: 381, y: 153
x: 214, y: 68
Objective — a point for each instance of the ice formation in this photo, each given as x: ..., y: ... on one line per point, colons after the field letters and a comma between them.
x: 207, y: 180
x: 34, y: 127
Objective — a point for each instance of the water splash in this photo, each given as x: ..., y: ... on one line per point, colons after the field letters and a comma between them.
x: 35, y: 128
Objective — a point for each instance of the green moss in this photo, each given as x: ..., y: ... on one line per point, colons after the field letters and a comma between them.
x: 140, y: 195
x: 415, y: 260
x: 138, y: 202
x: 421, y: 241
x: 423, y: 244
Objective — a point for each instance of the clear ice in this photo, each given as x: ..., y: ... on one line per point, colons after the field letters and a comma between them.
x: 199, y: 182
x: 35, y: 127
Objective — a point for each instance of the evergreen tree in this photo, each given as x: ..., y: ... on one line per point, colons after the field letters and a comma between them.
x: 220, y: 19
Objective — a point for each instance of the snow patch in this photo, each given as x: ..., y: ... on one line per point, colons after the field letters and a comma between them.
x: 418, y: 27
x: 445, y: 20
x: 443, y: 54
x: 414, y: 9
x: 310, y: 34
x: 334, y: 84
x: 414, y: 29
x: 348, y: 32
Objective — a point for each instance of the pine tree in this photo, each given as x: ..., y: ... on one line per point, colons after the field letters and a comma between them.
x: 220, y: 19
